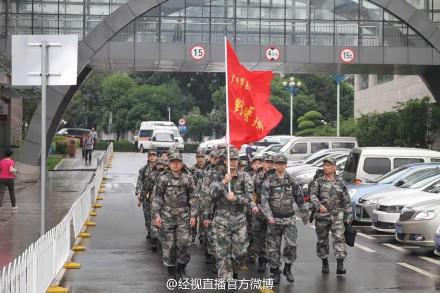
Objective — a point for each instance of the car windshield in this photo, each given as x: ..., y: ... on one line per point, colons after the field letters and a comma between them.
x: 165, y: 137
x: 390, y: 176
x: 422, y: 180
x: 145, y: 133
x: 434, y: 188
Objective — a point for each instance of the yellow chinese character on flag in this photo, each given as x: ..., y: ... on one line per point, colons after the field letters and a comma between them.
x: 247, y: 113
x: 239, y: 106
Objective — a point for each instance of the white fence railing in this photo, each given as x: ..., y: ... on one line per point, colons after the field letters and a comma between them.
x: 35, y: 269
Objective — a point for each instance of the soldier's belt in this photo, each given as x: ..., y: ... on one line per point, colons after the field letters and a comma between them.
x: 231, y: 209
x: 178, y: 205
x: 283, y: 215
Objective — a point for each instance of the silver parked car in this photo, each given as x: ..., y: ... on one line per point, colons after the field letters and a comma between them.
x: 418, y: 223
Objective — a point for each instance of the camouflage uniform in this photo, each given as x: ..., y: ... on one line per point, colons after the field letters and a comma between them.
x: 154, y: 179
x: 198, y: 174
x: 280, y: 197
x: 175, y: 201
x: 259, y: 222
x: 143, y: 188
x: 334, y: 196
x: 229, y: 223
x: 214, y: 173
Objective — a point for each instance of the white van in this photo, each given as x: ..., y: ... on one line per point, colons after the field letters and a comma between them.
x: 369, y: 163
x: 299, y: 148
x: 146, y: 132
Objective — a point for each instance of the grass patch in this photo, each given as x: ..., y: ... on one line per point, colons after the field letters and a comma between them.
x: 52, y: 161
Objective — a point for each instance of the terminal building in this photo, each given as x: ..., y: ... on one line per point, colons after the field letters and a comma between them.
x: 387, y: 38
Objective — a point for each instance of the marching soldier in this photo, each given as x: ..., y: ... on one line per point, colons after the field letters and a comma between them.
x: 244, y: 165
x: 329, y: 197
x: 229, y: 223
x: 279, y: 199
x: 159, y: 170
x: 175, y: 209
x: 259, y: 223
x: 198, y: 172
x: 143, y: 189
x: 215, y: 173
x: 256, y: 164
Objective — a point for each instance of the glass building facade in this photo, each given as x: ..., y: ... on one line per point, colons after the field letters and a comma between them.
x: 277, y: 22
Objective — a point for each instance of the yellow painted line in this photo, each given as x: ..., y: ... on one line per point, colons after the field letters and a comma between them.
x: 434, y: 261
x: 366, y: 236
x: 364, y: 248
x: 418, y: 270
x: 394, y: 247
x: 57, y: 290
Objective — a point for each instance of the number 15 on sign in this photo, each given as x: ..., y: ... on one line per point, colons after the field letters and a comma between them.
x: 197, y: 52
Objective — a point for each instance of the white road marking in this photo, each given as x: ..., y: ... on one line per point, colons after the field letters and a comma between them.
x: 418, y: 270
x: 394, y: 247
x: 364, y: 248
x: 434, y: 261
x: 382, y: 235
x: 411, y: 246
x: 365, y: 236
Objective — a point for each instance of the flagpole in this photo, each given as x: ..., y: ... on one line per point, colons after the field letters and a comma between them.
x: 228, y: 139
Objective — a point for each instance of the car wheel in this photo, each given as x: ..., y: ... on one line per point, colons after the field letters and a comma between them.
x: 141, y: 149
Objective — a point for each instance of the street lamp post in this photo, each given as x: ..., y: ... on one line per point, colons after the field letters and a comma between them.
x: 339, y: 78
x: 293, y: 89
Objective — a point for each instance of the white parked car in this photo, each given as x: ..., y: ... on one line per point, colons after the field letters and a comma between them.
x: 388, y: 211
x: 211, y: 144
x: 161, y: 139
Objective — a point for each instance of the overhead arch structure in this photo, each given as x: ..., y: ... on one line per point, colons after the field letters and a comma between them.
x: 96, y: 51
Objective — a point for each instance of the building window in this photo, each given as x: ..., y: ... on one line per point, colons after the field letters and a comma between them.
x: 381, y: 78
x: 363, y: 81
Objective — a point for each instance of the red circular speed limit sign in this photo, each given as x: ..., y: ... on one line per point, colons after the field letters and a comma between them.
x: 347, y: 55
x: 198, y: 52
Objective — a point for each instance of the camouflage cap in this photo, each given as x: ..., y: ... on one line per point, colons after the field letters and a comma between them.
x: 256, y: 158
x: 233, y: 153
x: 244, y: 163
x: 199, y: 153
x: 280, y: 158
x: 330, y: 160
x: 162, y: 161
x: 152, y: 152
x: 176, y: 156
x: 268, y: 157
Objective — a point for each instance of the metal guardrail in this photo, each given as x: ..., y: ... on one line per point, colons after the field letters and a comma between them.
x: 35, y: 269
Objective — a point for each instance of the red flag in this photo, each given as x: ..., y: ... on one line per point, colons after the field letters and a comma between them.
x: 251, y: 115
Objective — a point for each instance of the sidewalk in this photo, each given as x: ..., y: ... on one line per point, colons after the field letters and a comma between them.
x: 18, y: 229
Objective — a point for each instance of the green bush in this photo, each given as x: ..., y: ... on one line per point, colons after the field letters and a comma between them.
x: 61, y: 147
x: 190, y: 147
x: 52, y: 161
x: 124, y: 146
x: 101, y: 145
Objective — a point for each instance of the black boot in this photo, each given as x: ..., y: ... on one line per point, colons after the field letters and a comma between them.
x: 172, y: 272
x: 261, y: 264
x: 287, y: 271
x: 235, y: 275
x: 181, y: 271
x: 325, y: 268
x: 275, y: 275
x: 148, y: 235
x: 340, y: 267
x: 208, y: 258
x: 154, y: 244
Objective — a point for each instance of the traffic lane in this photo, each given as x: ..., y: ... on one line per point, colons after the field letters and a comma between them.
x: 118, y: 257
x: 369, y: 269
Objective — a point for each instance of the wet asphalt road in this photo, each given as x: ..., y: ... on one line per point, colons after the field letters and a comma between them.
x: 118, y: 257
x: 18, y: 229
